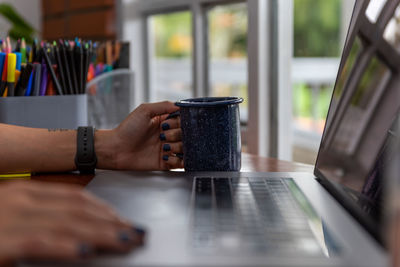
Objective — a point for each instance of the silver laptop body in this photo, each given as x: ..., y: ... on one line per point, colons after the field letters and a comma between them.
x: 303, y: 225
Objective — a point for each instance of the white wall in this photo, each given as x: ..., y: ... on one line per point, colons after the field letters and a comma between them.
x: 132, y: 31
x: 30, y: 10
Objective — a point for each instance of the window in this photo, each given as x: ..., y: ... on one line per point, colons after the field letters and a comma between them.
x: 227, y: 44
x: 319, y: 32
x: 220, y: 32
x: 224, y: 53
x: 170, y: 39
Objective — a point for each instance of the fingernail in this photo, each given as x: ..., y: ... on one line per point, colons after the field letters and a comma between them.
x: 84, y: 250
x: 179, y: 155
x: 165, y: 126
x: 140, y: 231
x: 124, y: 237
x: 173, y: 115
x: 165, y: 157
x: 166, y: 147
x: 162, y: 137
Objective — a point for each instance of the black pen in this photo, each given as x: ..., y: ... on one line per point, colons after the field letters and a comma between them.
x: 52, y: 73
x: 72, y: 70
x: 61, y: 68
x: 24, y: 80
x: 17, y: 83
x: 36, y: 79
x: 68, y: 77
x: 79, y: 65
x: 86, y: 62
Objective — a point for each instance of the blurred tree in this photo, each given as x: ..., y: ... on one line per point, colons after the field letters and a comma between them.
x: 228, y: 31
x: 173, y: 34
x: 317, y: 28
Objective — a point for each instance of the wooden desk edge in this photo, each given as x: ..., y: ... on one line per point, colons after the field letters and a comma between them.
x: 250, y: 163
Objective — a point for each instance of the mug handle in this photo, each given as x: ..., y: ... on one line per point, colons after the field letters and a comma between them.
x: 174, y: 115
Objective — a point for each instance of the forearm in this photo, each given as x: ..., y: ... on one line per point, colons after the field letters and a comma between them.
x: 46, y: 150
x: 36, y: 150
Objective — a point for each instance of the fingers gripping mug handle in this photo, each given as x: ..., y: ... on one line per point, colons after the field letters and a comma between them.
x: 173, y: 115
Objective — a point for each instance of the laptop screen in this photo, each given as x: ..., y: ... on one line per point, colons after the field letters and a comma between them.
x: 364, y: 105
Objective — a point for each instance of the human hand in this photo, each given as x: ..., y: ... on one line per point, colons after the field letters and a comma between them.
x: 145, y: 140
x: 58, y: 222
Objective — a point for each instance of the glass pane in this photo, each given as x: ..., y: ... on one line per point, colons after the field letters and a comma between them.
x: 318, y: 33
x: 374, y: 10
x: 373, y: 81
x: 392, y: 34
x: 170, y: 65
x: 227, y: 31
x: 344, y: 75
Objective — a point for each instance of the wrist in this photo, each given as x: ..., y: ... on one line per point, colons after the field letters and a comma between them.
x: 104, y: 146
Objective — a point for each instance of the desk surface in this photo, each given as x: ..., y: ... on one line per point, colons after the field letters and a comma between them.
x: 249, y: 163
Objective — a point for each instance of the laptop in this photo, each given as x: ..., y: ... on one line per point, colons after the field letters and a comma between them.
x: 332, y: 217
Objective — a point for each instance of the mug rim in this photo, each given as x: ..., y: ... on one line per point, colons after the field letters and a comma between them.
x: 209, y: 101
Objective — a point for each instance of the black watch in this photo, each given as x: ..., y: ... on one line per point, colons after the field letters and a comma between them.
x: 85, y: 159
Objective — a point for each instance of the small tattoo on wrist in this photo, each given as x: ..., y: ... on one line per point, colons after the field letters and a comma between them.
x: 59, y: 130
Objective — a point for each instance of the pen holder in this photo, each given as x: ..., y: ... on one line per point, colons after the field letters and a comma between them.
x: 109, y: 98
x: 60, y: 111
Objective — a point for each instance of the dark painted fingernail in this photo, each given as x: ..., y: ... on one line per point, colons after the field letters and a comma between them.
x: 173, y: 115
x: 165, y: 126
x: 140, y: 231
x: 162, y: 137
x: 166, y: 147
x: 165, y: 157
x: 179, y: 155
x: 124, y: 237
x: 84, y: 250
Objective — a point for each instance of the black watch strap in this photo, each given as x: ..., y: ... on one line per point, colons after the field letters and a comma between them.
x: 85, y: 159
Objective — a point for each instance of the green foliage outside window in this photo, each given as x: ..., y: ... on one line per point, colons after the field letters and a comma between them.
x: 303, y: 105
x: 173, y: 35
x: 317, y: 28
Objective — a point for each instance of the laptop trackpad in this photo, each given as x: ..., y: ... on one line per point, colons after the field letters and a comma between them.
x: 145, y: 197
x: 158, y: 203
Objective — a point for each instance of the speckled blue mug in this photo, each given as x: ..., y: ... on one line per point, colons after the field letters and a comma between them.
x: 211, y: 133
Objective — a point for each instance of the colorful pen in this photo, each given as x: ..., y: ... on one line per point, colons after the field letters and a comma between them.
x: 43, y: 84
x: 2, y: 59
x: 23, y: 51
x: 19, y: 60
x: 12, y: 61
x: 28, y: 90
x: 8, y: 44
x: 52, y: 73
x: 3, y: 82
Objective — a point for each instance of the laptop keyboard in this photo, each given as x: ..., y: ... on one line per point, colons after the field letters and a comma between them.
x: 255, y: 214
